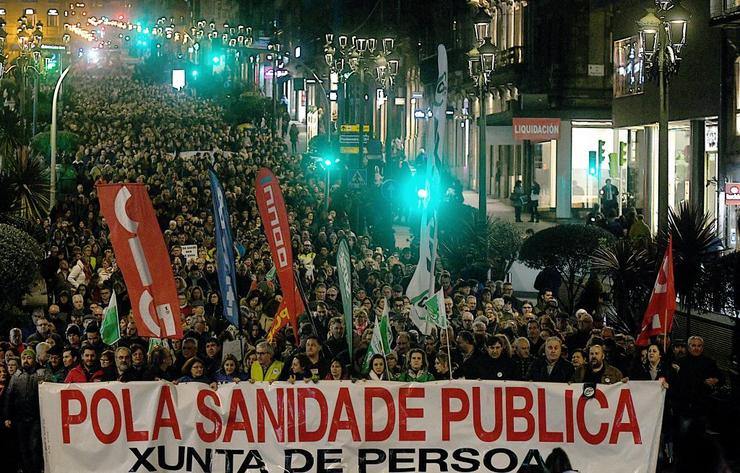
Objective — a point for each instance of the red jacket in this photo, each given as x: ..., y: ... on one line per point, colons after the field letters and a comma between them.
x: 78, y: 374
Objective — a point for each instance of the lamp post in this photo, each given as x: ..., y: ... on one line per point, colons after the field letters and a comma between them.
x: 29, y: 37
x: 481, y: 62
x: 386, y: 70
x: 53, y: 141
x: 274, y: 46
x: 662, y: 36
x: 352, y: 56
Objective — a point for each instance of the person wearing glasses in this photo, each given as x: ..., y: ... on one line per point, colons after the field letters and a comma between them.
x: 265, y: 368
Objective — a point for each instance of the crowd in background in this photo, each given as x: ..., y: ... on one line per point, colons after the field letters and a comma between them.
x: 150, y: 134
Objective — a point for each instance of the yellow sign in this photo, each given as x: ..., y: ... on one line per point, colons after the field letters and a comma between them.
x: 349, y: 149
x: 354, y: 128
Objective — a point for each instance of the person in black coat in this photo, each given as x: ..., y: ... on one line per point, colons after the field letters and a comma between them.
x: 500, y: 366
x: 552, y: 368
x: 473, y: 365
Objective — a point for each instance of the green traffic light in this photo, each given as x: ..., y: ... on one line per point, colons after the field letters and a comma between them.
x: 422, y: 194
x: 328, y: 162
x: 216, y: 59
x: 194, y: 74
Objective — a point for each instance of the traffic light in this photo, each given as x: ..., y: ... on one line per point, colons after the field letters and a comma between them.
x: 592, y: 163
x: 622, y: 153
x: 600, y: 151
x: 216, y: 60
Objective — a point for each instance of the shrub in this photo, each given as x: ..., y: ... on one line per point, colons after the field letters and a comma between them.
x: 20, y: 256
x: 470, y: 252
x: 568, y: 250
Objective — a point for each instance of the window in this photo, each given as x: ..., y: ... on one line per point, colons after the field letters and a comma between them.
x: 29, y: 11
x: 52, y: 18
x: 628, y: 73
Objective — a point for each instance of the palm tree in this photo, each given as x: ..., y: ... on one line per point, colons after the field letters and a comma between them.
x: 26, y: 178
x: 630, y: 271
x: 11, y: 135
x: 693, y: 236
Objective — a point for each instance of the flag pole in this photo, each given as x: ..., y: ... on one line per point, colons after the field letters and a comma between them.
x: 386, y: 307
x: 449, y: 354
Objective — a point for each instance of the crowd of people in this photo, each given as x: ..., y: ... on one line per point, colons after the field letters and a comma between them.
x: 167, y: 140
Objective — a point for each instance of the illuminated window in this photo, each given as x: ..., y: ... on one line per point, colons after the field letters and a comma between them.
x: 52, y: 18
x: 29, y: 11
x: 628, y: 74
x: 2, y: 11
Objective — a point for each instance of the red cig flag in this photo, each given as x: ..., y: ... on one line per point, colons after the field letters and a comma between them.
x: 142, y: 256
x: 659, y: 314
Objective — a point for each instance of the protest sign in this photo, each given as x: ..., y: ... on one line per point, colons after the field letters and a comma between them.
x: 365, y: 427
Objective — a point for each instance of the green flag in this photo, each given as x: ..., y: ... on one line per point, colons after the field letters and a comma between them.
x: 436, y: 309
x: 111, y: 330
x: 270, y: 276
x: 345, y: 287
x: 381, y: 341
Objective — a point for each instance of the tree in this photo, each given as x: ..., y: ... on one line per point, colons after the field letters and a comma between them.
x: 67, y: 143
x: 631, y: 272
x: 693, y: 238
x: 464, y: 247
x: 20, y: 256
x: 567, y: 249
x: 11, y: 133
x: 26, y: 179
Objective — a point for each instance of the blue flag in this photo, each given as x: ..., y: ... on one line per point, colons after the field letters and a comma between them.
x: 224, y: 252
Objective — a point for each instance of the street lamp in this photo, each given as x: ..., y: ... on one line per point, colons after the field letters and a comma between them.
x: 662, y: 36
x: 481, y: 62
x: 358, y: 54
x: 386, y: 70
x: 274, y: 46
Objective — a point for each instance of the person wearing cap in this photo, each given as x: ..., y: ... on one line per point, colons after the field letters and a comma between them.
x: 21, y: 412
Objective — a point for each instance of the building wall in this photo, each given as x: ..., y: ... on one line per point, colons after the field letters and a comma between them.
x: 53, y: 24
x: 695, y: 91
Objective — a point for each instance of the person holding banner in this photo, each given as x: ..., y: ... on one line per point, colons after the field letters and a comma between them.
x: 416, y: 368
x: 378, y: 370
x: 597, y: 370
x: 265, y: 368
x: 552, y: 368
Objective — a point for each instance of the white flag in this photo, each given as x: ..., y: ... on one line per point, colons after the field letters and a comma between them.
x: 436, y: 309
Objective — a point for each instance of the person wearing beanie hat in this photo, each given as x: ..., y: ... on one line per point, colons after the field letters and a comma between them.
x: 21, y: 412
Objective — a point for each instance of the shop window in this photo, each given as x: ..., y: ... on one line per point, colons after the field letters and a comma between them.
x: 588, y: 181
x: 679, y: 169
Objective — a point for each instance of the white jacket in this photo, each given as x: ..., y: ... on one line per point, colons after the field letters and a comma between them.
x: 77, y: 275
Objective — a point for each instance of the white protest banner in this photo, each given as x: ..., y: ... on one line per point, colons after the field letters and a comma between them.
x: 189, y: 251
x: 366, y: 427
